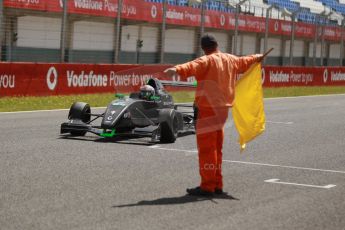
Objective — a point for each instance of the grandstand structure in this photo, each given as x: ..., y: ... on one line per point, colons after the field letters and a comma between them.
x: 303, y: 32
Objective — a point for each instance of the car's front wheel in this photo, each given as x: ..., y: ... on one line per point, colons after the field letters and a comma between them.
x: 169, y: 128
x: 79, y: 111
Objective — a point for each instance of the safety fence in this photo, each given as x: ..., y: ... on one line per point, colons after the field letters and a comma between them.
x: 39, y: 79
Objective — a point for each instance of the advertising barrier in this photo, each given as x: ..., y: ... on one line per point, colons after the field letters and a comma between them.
x: 43, y: 79
x: 40, y: 79
x: 302, y: 76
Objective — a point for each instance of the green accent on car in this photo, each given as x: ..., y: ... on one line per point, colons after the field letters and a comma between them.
x: 119, y: 95
x: 105, y: 134
x: 195, y: 83
x: 155, y: 98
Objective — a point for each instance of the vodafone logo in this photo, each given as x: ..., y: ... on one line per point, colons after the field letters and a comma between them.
x: 52, y: 77
x: 222, y: 20
x: 153, y: 11
x: 263, y: 76
x: 325, y: 75
x: 276, y: 26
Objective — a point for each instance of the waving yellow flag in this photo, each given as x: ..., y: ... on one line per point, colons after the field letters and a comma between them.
x: 248, y: 110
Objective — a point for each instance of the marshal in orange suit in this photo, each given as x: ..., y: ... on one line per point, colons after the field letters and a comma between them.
x: 216, y: 75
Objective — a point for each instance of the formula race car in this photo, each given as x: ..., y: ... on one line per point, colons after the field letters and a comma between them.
x: 148, y: 113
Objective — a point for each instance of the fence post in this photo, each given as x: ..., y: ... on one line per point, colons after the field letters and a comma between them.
x: 292, y: 40
x: 202, y: 27
x: 202, y: 20
x: 163, y: 28
x: 238, y: 7
x: 268, y: 10
x: 342, y: 43
x: 139, y: 44
x: 315, y: 43
x: 118, y: 31
x: 1, y: 26
x: 63, y: 32
x: 326, y: 22
x: 322, y: 43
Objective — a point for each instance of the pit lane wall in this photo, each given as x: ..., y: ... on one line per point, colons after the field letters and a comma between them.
x: 44, y: 79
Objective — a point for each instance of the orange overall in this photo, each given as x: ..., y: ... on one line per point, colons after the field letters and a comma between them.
x: 216, y: 75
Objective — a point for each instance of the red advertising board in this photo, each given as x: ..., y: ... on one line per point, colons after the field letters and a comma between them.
x: 275, y: 76
x: 26, y: 4
x: 177, y: 15
x: 42, y: 79
x: 35, y: 79
x: 90, y: 7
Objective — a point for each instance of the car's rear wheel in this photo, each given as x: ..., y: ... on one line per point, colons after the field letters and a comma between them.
x: 79, y: 111
x: 169, y: 129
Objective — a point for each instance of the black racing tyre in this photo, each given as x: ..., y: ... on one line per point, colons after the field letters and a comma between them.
x: 79, y: 111
x: 169, y: 129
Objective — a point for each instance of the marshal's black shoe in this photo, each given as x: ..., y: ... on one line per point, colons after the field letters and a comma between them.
x: 198, y: 192
x: 219, y: 191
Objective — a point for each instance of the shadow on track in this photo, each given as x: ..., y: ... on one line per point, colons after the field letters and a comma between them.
x: 117, y: 140
x: 178, y: 200
x: 120, y: 139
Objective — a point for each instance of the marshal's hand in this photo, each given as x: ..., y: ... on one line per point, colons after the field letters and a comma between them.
x: 170, y: 72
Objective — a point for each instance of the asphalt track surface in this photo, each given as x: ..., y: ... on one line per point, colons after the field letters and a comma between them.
x: 49, y: 182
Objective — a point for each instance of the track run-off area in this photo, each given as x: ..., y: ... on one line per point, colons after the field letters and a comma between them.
x: 291, y: 177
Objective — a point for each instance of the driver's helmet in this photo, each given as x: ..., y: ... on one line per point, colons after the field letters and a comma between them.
x: 146, y: 92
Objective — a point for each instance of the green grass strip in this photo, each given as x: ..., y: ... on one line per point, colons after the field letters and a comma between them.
x: 9, y: 104
x: 302, y: 91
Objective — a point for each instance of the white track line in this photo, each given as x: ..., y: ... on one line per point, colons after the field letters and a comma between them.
x: 275, y: 98
x: 194, y: 152
x: 280, y: 122
x: 189, y: 152
x: 277, y: 181
x: 285, y: 166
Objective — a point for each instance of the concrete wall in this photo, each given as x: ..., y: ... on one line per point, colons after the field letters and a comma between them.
x: 131, y: 33
x: 222, y: 39
x: 334, y: 55
x: 180, y: 41
x: 318, y: 49
x: 248, y: 44
x: 92, y: 42
x: 38, y: 32
x: 275, y: 57
x: 38, y: 39
x: 89, y: 35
